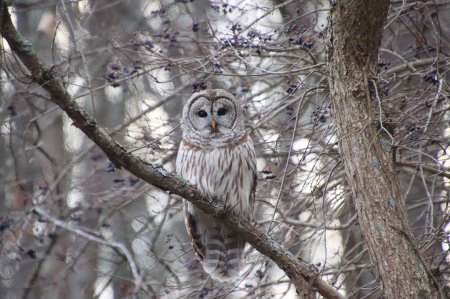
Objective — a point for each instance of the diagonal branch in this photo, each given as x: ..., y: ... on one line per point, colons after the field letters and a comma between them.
x: 301, y: 274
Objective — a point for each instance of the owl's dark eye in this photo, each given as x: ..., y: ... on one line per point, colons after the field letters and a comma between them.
x: 202, y: 113
x: 222, y: 111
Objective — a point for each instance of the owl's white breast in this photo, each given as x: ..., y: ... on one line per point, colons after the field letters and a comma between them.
x: 226, y: 173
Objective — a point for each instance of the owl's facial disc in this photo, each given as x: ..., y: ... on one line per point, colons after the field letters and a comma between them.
x: 212, y: 118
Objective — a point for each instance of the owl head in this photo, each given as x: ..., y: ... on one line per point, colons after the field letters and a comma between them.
x: 212, y: 118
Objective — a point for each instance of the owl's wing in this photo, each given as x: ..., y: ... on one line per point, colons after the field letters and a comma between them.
x: 185, y: 168
x: 250, y: 156
x: 191, y: 226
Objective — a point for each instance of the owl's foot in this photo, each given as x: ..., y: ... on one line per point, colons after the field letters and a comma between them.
x: 216, y: 201
x: 222, y: 212
x: 225, y: 210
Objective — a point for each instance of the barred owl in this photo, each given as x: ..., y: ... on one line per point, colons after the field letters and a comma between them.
x: 217, y: 156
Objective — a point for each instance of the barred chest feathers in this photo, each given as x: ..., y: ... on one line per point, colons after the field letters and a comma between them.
x: 221, y: 173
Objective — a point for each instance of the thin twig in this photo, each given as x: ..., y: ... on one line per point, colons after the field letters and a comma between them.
x: 89, y: 236
x: 380, y: 113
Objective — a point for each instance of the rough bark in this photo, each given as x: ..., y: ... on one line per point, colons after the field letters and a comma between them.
x: 355, y: 32
x: 302, y: 276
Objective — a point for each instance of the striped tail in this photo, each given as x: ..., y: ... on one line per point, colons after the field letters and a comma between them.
x: 224, y: 253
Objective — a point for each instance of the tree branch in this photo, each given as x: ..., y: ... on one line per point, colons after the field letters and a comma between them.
x: 301, y: 274
x: 89, y: 236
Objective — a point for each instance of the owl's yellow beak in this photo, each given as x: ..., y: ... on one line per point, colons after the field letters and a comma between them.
x: 213, y: 124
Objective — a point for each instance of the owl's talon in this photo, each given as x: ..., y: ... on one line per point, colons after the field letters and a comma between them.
x: 221, y: 213
x: 228, y: 209
x: 218, y: 201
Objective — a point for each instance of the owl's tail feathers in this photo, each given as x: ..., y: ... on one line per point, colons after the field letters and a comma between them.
x: 224, y: 254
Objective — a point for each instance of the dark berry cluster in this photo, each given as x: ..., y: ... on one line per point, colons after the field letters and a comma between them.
x: 259, y: 274
x: 166, y: 35
x: 133, y: 181
x: 169, y: 238
x: 245, y: 86
x: 43, y: 190
x: 322, y: 32
x: 299, y: 41
x: 166, y: 67
x: 430, y: 77
x: 292, y: 87
x: 217, y: 66
x: 265, y: 38
x: 138, y: 40
x: 268, y: 169
x: 234, y: 41
x: 293, y: 30
x: 192, y: 264
x: 253, y: 33
x: 12, y: 109
x: 320, y: 114
x: 290, y: 109
x: 383, y: 63
x: 198, y: 85
x: 412, y: 131
x: 161, y: 10
x: 412, y: 128
x: 204, y: 292
x: 238, y: 40
x: 236, y: 28
x: 306, y: 44
x: 110, y: 167
x: 225, y: 9
x: 195, y: 27
x: 5, y: 223
x: 30, y: 252
x: 96, y: 157
x: 289, y: 29
x: 302, y: 29
x: 115, y: 72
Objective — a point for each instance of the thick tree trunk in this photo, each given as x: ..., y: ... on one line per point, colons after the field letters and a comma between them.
x: 355, y: 32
